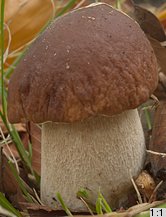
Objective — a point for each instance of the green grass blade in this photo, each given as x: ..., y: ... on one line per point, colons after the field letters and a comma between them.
x: 2, y: 57
x: 11, y: 129
x: 7, y: 205
x: 9, y: 71
x: 30, y: 152
x: 20, y: 147
x: 99, y: 209
x: 83, y: 193
x: 61, y: 201
x: 5, y: 92
x: 23, y: 153
x: 106, y: 207
x: 20, y: 182
x: 66, y: 7
x: 118, y: 4
x: 148, y: 119
x: 3, y: 119
x: 14, y: 134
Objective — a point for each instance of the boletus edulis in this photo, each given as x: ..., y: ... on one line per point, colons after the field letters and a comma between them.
x: 83, y: 79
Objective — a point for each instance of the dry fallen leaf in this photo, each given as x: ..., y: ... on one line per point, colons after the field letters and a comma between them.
x: 145, y: 184
x: 149, y: 23
x: 36, y: 210
x: 34, y: 15
x: 19, y: 127
x: 29, y: 12
x: 12, y: 147
x: 158, y: 139
x: 10, y: 186
x: 128, y: 213
x: 160, y: 52
x: 161, y: 14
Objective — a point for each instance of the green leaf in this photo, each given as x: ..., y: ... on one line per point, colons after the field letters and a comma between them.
x: 20, y: 182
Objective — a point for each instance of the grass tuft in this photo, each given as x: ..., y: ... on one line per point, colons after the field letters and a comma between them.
x: 104, y: 205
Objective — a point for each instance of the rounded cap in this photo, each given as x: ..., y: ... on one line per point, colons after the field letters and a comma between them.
x: 94, y: 60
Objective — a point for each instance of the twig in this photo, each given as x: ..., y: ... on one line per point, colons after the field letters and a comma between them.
x: 130, y: 212
x: 37, y: 197
x: 86, y: 205
x: 163, y: 43
x: 79, y: 4
x: 6, y: 143
x: 156, y: 101
x: 144, y: 207
x: 53, y: 9
x: 156, y: 153
x: 154, y: 192
x: 1, y: 170
x: 137, y: 191
x: 154, y: 98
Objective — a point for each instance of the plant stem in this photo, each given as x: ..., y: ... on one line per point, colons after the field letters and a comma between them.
x: 2, y: 57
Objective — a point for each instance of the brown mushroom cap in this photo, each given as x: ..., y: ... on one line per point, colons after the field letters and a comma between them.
x: 95, y: 60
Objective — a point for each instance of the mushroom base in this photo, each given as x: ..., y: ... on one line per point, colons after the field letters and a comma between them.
x: 100, y: 153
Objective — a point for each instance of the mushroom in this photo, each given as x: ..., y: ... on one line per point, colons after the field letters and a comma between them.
x: 83, y: 79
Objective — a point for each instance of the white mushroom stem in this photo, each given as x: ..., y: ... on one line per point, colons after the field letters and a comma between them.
x: 98, y: 153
